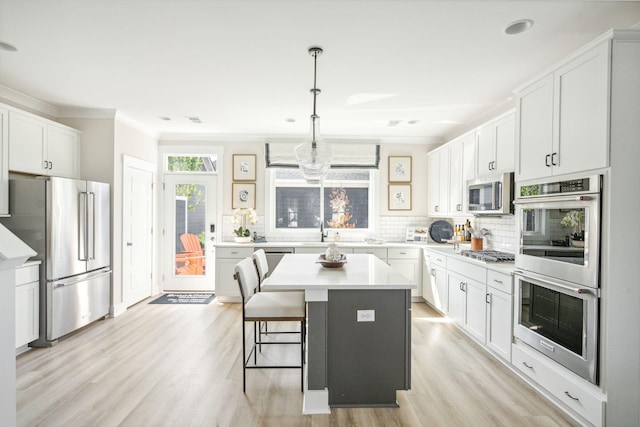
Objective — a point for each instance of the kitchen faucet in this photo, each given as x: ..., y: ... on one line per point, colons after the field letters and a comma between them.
x: 323, y: 234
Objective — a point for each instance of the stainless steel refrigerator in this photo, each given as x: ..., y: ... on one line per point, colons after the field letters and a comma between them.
x: 67, y: 222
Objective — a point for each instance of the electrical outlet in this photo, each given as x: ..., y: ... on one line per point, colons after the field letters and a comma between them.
x: 366, y: 315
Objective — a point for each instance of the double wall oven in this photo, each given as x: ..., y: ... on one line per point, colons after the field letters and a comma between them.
x: 557, y: 271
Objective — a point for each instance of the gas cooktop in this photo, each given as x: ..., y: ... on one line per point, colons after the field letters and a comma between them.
x: 489, y: 255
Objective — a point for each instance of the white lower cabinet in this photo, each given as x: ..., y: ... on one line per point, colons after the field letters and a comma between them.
x: 467, y: 305
x: 579, y: 396
x: 27, y: 304
x: 434, y: 284
x: 408, y: 263
x: 226, y: 258
x: 476, y: 298
x: 499, y: 313
x: 378, y: 252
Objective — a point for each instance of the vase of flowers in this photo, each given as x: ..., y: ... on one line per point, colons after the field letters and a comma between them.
x: 242, y: 217
x: 575, y: 220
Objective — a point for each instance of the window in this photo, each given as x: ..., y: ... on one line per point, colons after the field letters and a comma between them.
x: 345, y: 202
x: 191, y: 163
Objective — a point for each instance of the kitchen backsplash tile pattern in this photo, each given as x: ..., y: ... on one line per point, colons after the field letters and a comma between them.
x: 393, y: 229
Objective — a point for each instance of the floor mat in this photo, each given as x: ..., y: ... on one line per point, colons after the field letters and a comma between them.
x: 186, y: 298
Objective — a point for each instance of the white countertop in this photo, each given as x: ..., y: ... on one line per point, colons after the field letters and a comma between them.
x: 362, y: 271
x: 317, y: 244
x: 30, y: 263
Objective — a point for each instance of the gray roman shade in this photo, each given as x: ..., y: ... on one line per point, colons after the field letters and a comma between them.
x: 345, y: 155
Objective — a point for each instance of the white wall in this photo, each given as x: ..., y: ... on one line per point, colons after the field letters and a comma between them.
x: 418, y: 155
x: 104, y: 144
x: 135, y: 143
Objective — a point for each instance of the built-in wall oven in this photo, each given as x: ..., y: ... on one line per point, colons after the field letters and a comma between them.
x: 557, y: 271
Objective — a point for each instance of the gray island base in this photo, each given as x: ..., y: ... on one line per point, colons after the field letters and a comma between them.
x: 359, y: 330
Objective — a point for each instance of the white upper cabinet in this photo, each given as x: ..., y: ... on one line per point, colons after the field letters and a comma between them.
x: 495, y: 151
x: 563, y: 118
x: 4, y: 161
x: 535, y: 127
x: 461, y: 170
x: 26, y: 143
x: 41, y: 147
x: 438, y: 185
x: 62, y: 151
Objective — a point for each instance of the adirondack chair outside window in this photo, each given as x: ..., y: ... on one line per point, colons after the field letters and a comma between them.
x: 191, y: 260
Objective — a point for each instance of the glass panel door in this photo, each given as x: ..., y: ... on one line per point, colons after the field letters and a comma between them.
x: 190, y: 213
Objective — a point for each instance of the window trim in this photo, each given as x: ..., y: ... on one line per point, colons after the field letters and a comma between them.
x: 310, y: 234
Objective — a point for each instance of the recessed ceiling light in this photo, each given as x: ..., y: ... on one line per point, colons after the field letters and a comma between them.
x: 165, y: 118
x: 393, y: 123
x: 519, y: 26
x: 8, y: 47
x: 413, y: 122
x: 194, y: 119
x: 290, y: 120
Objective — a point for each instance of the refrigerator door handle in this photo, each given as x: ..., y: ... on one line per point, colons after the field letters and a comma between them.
x: 82, y: 227
x: 91, y: 219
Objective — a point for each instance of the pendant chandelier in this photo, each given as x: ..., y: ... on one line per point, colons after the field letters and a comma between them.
x: 314, y: 155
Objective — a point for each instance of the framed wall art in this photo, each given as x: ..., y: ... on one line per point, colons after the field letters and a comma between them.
x: 399, y: 197
x: 399, y: 168
x: 244, y: 167
x: 244, y: 196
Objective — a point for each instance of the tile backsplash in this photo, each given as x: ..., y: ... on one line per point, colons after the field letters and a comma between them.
x: 501, y: 235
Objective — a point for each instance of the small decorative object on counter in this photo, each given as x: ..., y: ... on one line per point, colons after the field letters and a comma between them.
x: 337, y: 237
x: 333, y: 253
x: 242, y: 217
x: 476, y: 243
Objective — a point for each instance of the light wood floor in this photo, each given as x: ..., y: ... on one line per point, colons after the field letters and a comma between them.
x: 167, y: 365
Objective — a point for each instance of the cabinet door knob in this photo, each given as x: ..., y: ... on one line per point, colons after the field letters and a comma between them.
x: 129, y: 243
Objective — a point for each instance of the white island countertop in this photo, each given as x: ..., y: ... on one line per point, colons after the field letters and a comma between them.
x: 361, y: 271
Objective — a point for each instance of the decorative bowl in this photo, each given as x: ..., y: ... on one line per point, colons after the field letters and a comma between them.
x: 332, y: 264
x: 577, y: 243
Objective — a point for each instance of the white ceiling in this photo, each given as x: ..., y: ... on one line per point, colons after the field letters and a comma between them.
x: 242, y: 66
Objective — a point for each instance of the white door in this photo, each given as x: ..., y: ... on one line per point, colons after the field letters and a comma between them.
x: 137, y: 225
x: 189, y: 230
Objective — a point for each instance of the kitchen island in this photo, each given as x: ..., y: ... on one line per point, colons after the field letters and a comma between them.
x: 359, y: 330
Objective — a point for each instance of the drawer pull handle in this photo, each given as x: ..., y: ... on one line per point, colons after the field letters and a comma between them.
x: 498, y: 281
x: 571, y: 397
x: 526, y: 365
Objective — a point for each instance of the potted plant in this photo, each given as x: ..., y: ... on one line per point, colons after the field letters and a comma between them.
x: 575, y: 220
x: 242, y: 217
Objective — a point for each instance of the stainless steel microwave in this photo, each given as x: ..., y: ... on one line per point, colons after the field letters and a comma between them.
x: 492, y: 195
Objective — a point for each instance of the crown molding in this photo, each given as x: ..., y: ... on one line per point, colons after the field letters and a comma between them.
x: 26, y: 102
